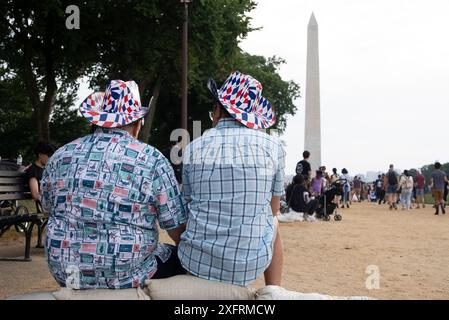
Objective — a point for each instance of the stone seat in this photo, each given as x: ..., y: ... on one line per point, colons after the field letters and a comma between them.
x: 183, y: 287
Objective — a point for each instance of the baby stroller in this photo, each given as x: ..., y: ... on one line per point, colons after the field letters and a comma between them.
x: 326, y: 204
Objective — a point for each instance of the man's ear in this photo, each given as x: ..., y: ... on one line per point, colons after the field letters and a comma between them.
x: 136, y: 129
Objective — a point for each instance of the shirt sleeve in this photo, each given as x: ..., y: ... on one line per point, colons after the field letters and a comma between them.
x: 169, y: 202
x: 278, y: 181
x: 186, y: 167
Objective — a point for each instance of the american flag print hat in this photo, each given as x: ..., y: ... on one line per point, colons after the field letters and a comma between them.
x: 241, y: 96
x: 118, y: 106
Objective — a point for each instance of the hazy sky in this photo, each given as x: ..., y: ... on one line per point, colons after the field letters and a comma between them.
x: 384, y: 68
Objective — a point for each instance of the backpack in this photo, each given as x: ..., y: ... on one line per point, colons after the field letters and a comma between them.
x: 408, y: 183
x: 392, y: 178
x: 299, y: 168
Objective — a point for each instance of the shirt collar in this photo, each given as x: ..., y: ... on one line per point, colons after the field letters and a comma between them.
x: 115, y: 131
x: 228, y: 123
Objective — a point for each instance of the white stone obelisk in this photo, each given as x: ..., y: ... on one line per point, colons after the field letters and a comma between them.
x: 312, y: 138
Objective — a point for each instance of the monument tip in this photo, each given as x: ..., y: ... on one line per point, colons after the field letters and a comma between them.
x: 313, y: 21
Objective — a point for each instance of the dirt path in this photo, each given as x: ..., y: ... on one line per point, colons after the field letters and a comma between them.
x: 409, y: 248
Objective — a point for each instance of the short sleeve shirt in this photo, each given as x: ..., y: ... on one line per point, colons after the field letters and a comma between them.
x: 230, y: 175
x: 303, y: 167
x: 34, y: 171
x: 420, y: 181
x: 438, y: 179
x: 106, y: 194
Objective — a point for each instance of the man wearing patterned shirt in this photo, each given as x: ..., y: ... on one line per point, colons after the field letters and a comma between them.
x: 106, y: 193
x: 233, y: 178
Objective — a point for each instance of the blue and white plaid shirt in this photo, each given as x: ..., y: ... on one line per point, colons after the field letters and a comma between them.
x: 230, y: 175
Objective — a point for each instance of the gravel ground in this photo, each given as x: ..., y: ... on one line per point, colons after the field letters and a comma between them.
x: 409, y: 249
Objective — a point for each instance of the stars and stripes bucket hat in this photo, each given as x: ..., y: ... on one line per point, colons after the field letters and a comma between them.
x: 241, y: 96
x: 118, y: 106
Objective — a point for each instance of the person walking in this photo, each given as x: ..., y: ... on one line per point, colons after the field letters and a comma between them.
x: 420, y: 182
x: 437, y: 182
x: 379, y: 188
x: 334, y: 176
x: 346, y: 188
x: 406, y: 183
x: 357, y: 189
x: 392, y: 187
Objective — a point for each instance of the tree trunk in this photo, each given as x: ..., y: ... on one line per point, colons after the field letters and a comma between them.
x: 145, y: 132
x: 41, y: 109
x: 50, y: 81
x: 49, y: 100
x: 32, y: 89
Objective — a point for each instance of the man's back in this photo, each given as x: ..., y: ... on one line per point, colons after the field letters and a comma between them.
x: 420, y: 181
x: 303, y: 167
x: 106, y: 193
x: 392, y: 178
x: 438, y: 179
x: 229, y: 177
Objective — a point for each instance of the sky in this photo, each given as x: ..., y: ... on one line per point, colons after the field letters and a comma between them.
x: 384, y: 70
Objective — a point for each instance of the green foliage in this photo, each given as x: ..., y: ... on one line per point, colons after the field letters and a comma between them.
x: 140, y: 40
x: 16, y: 130
x: 428, y: 169
x: 16, y: 123
x: 280, y: 93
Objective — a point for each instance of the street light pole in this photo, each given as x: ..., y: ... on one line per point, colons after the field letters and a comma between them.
x: 185, y: 60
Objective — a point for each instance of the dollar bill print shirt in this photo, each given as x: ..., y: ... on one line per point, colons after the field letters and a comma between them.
x: 106, y: 194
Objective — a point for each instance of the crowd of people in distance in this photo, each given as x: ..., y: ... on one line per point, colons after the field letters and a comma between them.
x: 405, y: 189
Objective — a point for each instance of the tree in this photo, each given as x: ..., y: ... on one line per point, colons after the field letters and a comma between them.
x: 428, y: 169
x: 130, y: 40
x: 39, y: 50
x: 149, y: 49
x: 280, y: 93
x: 16, y: 122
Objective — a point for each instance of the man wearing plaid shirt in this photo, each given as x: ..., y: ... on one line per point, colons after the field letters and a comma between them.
x: 233, y: 178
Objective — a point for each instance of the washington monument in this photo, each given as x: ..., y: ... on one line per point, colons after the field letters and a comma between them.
x: 312, y: 135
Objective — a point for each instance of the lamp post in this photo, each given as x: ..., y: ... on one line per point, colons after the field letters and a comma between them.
x: 185, y: 59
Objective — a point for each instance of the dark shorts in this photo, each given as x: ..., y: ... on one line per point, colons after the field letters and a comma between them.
x: 392, y: 189
x: 170, y: 268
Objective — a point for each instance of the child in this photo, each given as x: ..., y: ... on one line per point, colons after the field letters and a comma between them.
x: 317, y: 184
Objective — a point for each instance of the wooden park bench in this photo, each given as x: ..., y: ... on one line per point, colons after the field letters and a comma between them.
x: 14, y: 187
